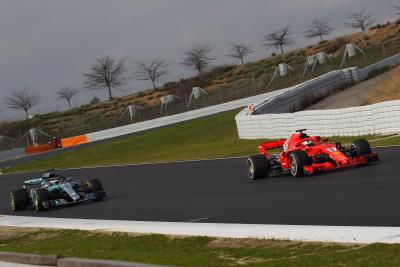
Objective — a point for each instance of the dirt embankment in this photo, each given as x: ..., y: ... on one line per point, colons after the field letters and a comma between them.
x: 384, y: 87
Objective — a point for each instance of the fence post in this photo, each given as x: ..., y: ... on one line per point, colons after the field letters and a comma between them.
x: 220, y: 94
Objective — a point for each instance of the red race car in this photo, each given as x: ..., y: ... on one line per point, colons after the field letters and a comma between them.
x: 302, y: 154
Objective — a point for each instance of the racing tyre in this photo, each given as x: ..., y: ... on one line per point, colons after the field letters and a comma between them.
x: 362, y: 147
x: 19, y: 199
x: 258, y: 167
x: 95, y: 186
x: 38, y: 197
x: 298, y: 159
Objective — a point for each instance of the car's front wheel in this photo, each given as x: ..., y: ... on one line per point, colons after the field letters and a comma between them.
x: 258, y: 167
x: 298, y: 159
x: 362, y: 148
x: 19, y: 199
x: 39, y: 196
x: 95, y: 186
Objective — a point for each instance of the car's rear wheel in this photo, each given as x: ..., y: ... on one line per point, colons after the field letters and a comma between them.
x: 258, y: 167
x: 298, y: 159
x: 39, y: 196
x: 19, y: 199
x: 95, y: 186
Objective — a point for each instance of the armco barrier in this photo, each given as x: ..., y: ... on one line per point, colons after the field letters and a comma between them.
x: 74, y: 141
x: 271, y: 118
x: 292, y: 97
x: 150, y: 124
x: 389, y: 62
x: 13, y: 153
x: 181, y: 117
x: 54, y: 260
x: 37, y: 149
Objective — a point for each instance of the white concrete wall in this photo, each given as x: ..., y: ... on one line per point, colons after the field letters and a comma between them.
x: 381, y: 118
x: 272, y: 120
x: 181, y: 117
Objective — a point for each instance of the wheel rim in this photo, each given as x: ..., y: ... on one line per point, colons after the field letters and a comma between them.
x: 12, y: 203
x: 250, y: 167
x: 293, y: 167
x: 35, y: 201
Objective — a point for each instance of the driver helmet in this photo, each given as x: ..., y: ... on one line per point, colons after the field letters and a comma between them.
x: 308, y: 143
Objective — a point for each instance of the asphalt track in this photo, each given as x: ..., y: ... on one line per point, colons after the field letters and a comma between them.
x: 218, y: 191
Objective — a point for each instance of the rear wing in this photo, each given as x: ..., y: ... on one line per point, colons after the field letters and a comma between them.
x: 271, y: 145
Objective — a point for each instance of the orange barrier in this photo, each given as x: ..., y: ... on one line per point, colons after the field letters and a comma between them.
x: 37, y: 149
x: 74, y: 141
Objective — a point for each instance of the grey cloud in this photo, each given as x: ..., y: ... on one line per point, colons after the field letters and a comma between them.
x: 47, y: 44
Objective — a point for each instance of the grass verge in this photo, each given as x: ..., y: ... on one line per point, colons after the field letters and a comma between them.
x: 209, y: 137
x: 196, y: 251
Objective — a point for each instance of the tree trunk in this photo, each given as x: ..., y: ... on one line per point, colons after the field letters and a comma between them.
x: 283, y: 55
x: 109, y: 93
x: 26, y: 113
x: 69, y: 104
x: 241, y: 59
x: 154, y: 84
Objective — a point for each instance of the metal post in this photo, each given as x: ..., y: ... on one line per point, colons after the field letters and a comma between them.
x: 384, y: 49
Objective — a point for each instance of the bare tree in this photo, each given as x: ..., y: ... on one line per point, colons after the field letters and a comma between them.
x: 153, y: 71
x: 198, y: 57
x: 67, y: 93
x: 239, y: 51
x: 318, y: 28
x: 360, y: 20
x: 279, y: 39
x: 22, y: 99
x: 106, y: 73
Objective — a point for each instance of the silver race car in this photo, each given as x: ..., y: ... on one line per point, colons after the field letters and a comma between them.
x: 53, y: 190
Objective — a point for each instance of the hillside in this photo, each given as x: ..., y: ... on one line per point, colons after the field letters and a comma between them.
x: 223, y: 83
x: 386, y: 89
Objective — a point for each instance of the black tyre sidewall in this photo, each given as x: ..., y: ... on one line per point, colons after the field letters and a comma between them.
x: 261, y: 167
x: 362, y: 147
x: 301, y: 159
x: 19, y: 198
x: 41, y: 195
x: 95, y: 186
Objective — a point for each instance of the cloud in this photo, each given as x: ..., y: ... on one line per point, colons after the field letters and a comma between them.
x: 48, y: 44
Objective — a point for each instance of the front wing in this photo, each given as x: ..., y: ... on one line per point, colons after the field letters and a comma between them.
x: 328, y: 166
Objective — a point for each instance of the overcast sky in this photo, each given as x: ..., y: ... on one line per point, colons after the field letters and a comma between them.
x: 48, y: 44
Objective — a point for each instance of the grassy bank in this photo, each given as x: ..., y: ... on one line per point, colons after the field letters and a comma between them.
x: 209, y: 137
x: 195, y: 251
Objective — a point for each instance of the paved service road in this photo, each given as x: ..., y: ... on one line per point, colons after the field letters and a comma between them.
x: 219, y: 191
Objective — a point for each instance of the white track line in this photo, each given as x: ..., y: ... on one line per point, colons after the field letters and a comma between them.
x: 162, y: 162
x: 339, y: 234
